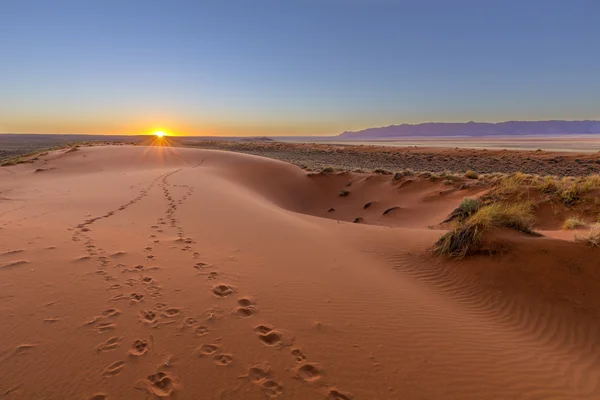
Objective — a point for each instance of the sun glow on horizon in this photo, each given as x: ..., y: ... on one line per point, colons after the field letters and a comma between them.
x: 160, y: 134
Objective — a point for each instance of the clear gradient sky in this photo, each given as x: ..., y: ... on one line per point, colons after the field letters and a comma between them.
x: 293, y: 67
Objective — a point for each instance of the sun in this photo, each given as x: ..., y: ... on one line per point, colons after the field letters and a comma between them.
x: 159, y: 134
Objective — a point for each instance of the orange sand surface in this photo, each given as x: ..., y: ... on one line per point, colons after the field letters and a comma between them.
x: 151, y: 272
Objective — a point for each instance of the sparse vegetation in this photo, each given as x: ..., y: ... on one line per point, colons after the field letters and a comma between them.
x: 471, y: 174
x: 573, y: 223
x: 328, y: 170
x: 380, y: 171
x: 465, y: 209
x: 466, y: 236
x: 592, y: 237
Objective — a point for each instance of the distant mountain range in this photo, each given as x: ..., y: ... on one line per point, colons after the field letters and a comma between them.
x: 474, y: 129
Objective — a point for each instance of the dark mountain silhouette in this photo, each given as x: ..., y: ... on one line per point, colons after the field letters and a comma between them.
x: 509, y: 128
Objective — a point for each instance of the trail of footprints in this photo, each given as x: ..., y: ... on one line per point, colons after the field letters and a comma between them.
x: 144, y: 287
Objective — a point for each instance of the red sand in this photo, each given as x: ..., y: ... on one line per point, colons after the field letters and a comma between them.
x: 147, y: 272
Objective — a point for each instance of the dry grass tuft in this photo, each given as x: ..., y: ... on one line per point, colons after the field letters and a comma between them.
x: 471, y: 174
x: 459, y: 242
x: 573, y: 223
x: 464, y: 210
x: 592, y: 237
x: 466, y: 237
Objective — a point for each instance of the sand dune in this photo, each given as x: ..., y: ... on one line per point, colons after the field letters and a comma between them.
x: 150, y: 272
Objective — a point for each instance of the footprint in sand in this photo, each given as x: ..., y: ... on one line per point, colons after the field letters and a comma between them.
x: 272, y: 388
x: 109, y: 345
x: 271, y: 337
x: 207, y: 349
x: 200, y: 266
x: 189, y: 322
x: 259, y: 373
x: 212, y: 276
x: 246, y: 307
x: 170, y: 312
x: 201, y: 330
x: 114, y: 368
x: 147, y: 280
x: 110, y: 312
x: 160, y: 384
x: 136, y: 297
x: 335, y: 394
x: 139, y: 347
x: 106, y: 326
x: 223, y: 359
x: 148, y: 316
x: 222, y: 290
x: 298, y: 355
x: 310, y: 372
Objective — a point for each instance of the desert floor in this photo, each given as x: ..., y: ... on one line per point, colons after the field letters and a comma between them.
x: 130, y: 272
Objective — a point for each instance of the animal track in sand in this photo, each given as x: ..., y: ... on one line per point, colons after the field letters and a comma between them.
x: 147, y: 280
x: 335, y: 394
x: 272, y: 388
x: 148, y: 316
x: 160, y: 306
x: 271, y: 337
x: 136, y: 297
x: 106, y: 326
x: 139, y: 347
x: 310, y: 372
x: 110, y: 312
x: 109, y: 344
x: 207, y: 349
x: 160, y: 384
x: 298, y: 355
x: 212, y: 276
x: 114, y: 368
x: 201, y: 330
x: 201, y: 265
x: 222, y: 290
x: 189, y: 322
x: 258, y: 373
x: 246, y: 308
x: 223, y: 359
x: 170, y: 312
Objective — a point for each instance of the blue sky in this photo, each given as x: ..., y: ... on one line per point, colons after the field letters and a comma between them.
x: 293, y: 67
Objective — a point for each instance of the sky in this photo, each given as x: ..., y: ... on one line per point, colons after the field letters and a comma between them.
x: 292, y: 67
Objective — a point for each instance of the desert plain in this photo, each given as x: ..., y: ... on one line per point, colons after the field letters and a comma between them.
x: 142, y: 272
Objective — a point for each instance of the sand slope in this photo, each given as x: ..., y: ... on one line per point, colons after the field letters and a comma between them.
x: 146, y: 272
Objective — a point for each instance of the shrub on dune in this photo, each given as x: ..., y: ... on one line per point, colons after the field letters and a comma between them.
x: 471, y: 174
x: 573, y: 223
x: 466, y: 208
x: 592, y: 237
x: 466, y: 237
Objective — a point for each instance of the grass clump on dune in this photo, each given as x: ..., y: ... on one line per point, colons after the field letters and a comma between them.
x: 573, y: 223
x: 592, y: 237
x: 464, y: 210
x: 471, y: 174
x: 466, y: 237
